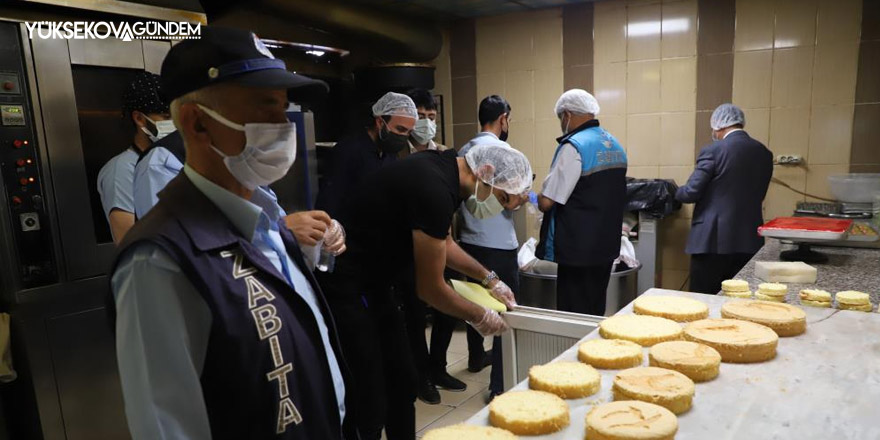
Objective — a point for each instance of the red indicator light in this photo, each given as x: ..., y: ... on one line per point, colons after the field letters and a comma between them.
x: 17, y: 143
x: 16, y: 200
x: 21, y: 162
x: 23, y: 181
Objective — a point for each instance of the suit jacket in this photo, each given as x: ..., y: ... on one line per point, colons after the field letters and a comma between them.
x: 728, y: 185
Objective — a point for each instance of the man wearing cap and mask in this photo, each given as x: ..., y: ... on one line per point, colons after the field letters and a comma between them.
x: 397, y: 222
x: 583, y: 198
x: 393, y: 117
x: 421, y: 137
x: 149, y: 115
x: 222, y: 332
x: 728, y: 185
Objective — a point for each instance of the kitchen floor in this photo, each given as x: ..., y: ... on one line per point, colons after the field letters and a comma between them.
x: 455, y: 407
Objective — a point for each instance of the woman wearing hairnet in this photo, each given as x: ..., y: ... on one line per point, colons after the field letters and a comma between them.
x: 728, y: 185
x: 398, y: 220
x: 583, y: 198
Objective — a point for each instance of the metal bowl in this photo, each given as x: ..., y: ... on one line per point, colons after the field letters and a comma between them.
x: 855, y: 187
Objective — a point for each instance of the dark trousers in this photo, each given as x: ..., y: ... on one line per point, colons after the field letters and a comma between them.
x: 582, y: 289
x: 503, y: 263
x: 709, y: 270
x: 441, y: 335
x: 375, y: 343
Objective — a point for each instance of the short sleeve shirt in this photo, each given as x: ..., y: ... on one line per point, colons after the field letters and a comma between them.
x: 564, y: 175
x: 116, y: 182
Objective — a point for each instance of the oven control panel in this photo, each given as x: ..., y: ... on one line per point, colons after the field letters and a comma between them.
x: 21, y: 170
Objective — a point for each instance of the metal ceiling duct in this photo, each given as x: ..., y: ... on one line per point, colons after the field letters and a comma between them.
x: 389, y: 36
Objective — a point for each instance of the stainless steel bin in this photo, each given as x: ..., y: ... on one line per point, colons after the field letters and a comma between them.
x: 539, y: 290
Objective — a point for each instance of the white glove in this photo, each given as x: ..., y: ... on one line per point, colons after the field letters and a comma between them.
x: 502, y: 292
x: 490, y: 325
x: 334, y: 238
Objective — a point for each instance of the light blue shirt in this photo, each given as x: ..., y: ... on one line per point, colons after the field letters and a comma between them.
x: 151, y: 175
x: 116, y: 182
x: 496, y: 232
x: 163, y: 324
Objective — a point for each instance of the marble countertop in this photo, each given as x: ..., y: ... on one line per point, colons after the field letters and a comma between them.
x: 822, y: 384
x: 846, y: 269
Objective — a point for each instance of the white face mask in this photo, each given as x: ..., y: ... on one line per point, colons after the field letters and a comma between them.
x: 424, y: 131
x: 483, y: 209
x: 163, y: 128
x: 269, y: 151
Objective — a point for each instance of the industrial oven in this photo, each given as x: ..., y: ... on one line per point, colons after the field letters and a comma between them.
x: 61, y: 121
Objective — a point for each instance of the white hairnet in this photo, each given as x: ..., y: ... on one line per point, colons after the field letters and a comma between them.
x: 726, y: 115
x: 577, y: 101
x: 395, y: 104
x: 512, y: 172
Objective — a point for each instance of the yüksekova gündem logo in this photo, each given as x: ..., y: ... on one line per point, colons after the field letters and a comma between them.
x: 125, y: 31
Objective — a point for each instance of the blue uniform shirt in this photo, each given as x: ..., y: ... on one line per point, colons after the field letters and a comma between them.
x: 496, y: 232
x: 161, y: 364
x: 151, y: 175
x: 116, y: 182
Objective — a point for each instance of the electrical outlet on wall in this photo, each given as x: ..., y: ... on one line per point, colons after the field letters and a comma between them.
x: 789, y: 159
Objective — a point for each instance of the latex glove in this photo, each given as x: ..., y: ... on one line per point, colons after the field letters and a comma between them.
x: 334, y: 238
x: 308, y: 226
x: 502, y: 293
x: 491, y: 324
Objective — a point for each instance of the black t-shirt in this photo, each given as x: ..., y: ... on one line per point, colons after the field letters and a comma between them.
x: 420, y: 192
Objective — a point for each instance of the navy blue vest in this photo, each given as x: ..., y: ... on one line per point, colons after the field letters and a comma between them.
x: 585, y: 231
x: 265, y: 374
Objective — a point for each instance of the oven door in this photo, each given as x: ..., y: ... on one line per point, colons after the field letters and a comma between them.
x: 80, y: 85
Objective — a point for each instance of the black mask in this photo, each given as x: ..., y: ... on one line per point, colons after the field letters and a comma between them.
x: 503, y: 136
x: 392, y: 143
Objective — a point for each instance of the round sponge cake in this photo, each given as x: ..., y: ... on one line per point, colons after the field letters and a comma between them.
x: 529, y: 412
x: 815, y: 298
x: 784, y: 319
x: 735, y: 340
x: 469, y: 432
x: 631, y: 420
x: 569, y: 380
x: 852, y: 298
x: 697, y: 361
x: 675, y: 308
x: 735, y: 286
x: 610, y: 354
x: 743, y: 294
x: 643, y: 330
x: 667, y: 388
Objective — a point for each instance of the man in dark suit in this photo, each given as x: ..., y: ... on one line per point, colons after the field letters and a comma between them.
x: 728, y: 185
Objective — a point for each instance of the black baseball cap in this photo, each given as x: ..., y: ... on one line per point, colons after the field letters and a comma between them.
x: 224, y: 55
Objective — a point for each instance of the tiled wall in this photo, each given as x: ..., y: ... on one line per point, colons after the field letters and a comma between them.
x: 865, y: 153
x: 795, y: 70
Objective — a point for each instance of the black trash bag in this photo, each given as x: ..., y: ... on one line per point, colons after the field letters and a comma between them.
x: 655, y: 197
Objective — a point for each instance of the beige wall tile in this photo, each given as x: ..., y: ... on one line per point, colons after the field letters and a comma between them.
x: 490, y: 43
x: 679, y: 29
x: 609, y: 86
x: 678, y: 84
x: 673, y: 237
x: 520, y: 92
x: 546, y: 132
x: 616, y: 125
x: 830, y: 135
x: 792, y: 77
x: 817, y: 180
x: 758, y: 124
x: 789, y: 131
x: 754, y: 24
x: 795, y: 23
x: 489, y: 84
x: 548, y: 40
x: 548, y: 88
x: 752, y: 78
x: 839, y: 21
x: 643, y: 172
x: 609, y: 33
x: 675, y: 279
x: 641, y: 135
x: 522, y: 137
x: 519, y: 49
x: 781, y: 201
x: 643, y: 32
x: 679, y: 174
x: 834, y: 73
x: 643, y: 86
x: 677, y: 139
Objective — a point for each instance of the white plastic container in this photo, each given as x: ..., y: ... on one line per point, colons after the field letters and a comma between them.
x: 855, y: 187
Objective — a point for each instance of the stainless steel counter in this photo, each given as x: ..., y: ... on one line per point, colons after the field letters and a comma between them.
x: 823, y: 384
x: 846, y: 269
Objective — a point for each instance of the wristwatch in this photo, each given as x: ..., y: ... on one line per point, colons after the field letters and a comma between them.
x: 489, y: 278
